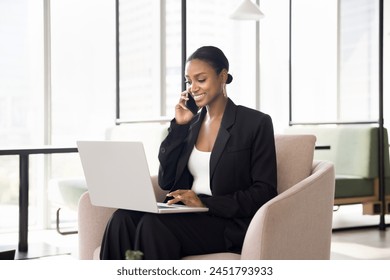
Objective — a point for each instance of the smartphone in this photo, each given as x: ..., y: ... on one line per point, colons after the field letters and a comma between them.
x: 191, y: 105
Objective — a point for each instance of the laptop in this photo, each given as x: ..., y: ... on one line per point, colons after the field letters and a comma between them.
x: 117, y: 176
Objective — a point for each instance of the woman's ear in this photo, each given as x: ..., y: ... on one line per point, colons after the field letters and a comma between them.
x: 224, y: 75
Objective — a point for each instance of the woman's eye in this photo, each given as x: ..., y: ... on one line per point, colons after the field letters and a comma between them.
x: 188, y: 82
x: 202, y: 80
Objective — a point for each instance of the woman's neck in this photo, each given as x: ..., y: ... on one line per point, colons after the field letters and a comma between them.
x: 216, y: 109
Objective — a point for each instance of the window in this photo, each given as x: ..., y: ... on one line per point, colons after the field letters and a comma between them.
x: 208, y: 23
x: 359, y: 60
x: 82, y: 69
x: 274, y: 58
x: 82, y: 61
x: 314, y: 59
x: 21, y: 100
x: 82, y: 83
x: 335, y: 61
x: 139, y: 41
x: 150, y: 52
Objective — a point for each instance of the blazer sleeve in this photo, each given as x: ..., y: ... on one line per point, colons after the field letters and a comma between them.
x: 170, y: 152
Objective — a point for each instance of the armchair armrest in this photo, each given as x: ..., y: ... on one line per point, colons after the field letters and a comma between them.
x: 300, y: 217
x: 92, y: 222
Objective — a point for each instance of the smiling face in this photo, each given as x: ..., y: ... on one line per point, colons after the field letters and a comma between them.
x: 206, y: 85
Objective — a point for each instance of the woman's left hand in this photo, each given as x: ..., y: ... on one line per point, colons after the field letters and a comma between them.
x: 188, y: 197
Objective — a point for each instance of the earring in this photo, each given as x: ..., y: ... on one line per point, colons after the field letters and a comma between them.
x: 224, y: 90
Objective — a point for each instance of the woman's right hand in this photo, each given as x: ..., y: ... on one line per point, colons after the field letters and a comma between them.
x: 182, y: 114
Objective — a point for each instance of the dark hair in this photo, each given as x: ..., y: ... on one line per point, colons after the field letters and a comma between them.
x: 213, y: 56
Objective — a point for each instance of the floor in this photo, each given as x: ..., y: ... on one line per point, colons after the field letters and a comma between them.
x: 366, y: 244
x: 43, y: 244
x: 370, y: 243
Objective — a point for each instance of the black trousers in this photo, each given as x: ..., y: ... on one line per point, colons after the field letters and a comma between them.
x: 162, y: 236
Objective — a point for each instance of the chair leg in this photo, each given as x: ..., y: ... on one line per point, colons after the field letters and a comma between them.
x: 58, y: 225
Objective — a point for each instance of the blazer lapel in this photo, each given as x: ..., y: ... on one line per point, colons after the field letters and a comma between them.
x: 223, y: 136
x: 228, y: 120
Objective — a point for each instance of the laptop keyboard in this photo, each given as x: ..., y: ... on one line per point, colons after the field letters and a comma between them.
x: 164, y: 205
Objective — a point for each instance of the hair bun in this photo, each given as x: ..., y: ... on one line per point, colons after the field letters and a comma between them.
x: 229, y: 79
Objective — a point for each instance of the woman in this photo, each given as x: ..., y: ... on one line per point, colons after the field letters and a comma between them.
x: 222, y: 158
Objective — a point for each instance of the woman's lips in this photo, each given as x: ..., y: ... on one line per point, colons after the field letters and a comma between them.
x: 198, y: 97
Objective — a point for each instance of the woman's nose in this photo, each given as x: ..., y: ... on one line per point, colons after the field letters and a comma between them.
x: 194, y: 87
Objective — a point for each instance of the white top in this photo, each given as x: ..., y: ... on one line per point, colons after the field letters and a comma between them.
x: 199, y: 166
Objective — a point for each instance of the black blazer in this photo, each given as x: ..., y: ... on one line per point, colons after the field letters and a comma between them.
x: 242, y: 164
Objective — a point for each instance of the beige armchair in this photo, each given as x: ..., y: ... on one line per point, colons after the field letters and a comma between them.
x: 296, y: 224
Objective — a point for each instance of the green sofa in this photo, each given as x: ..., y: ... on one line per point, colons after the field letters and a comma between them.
x: 354, y: 152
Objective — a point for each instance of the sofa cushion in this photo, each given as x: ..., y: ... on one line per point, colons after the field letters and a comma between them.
x: 353, y: 148
x: 354, y: 152
x: 352, y: 186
